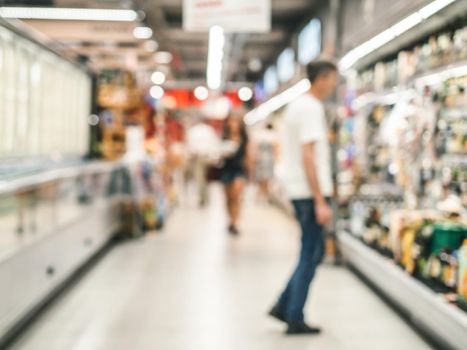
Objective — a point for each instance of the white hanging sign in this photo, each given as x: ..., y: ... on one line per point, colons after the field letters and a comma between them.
x: 235, y: 16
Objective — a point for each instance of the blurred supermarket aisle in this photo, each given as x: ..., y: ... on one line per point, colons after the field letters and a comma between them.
x: 194, y: 287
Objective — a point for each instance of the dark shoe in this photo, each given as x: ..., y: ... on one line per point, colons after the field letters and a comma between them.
x: 302, y: 328
x: 277, y: 314
x: 233, y: 230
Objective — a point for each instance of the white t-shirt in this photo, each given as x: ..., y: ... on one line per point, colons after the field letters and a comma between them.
x: 202, y: 140
x: 265, y: 136
x: 305, y: 122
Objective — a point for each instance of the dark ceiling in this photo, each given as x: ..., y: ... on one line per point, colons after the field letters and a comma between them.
x: 190, y: 49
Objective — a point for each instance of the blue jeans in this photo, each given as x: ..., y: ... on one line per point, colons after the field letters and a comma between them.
x: 292, y: 301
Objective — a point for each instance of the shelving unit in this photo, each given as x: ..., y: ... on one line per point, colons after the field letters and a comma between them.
x: 427, y: 310
x: 423, y: 147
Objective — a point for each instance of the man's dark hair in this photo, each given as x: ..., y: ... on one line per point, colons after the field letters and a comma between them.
x: 319, y: 67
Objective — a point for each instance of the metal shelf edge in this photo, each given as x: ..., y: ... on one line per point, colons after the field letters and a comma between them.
x: 424, y: 307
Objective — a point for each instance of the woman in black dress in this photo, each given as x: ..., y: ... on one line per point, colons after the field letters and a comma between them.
x: 234, y: 170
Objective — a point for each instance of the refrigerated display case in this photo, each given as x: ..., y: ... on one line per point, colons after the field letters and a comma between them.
x: 404, y: 170
x: 51, y: 223
x: 44, y: 100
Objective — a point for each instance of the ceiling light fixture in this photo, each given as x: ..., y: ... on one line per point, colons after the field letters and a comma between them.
x: 163, y: 57
x: 158, y: 78
x: 93, y: 119
x: 263, y: 111
x: 215, y: 57
x: 354, y: 55
x: 201, y: 93
x: 142, y: 32
x: 245, y: 94
x: 151, y: 45
x: 406, y: 24
x: 255, y: 65
x: 434, y: 7
x: 72, y: 14
x: 156, y: 92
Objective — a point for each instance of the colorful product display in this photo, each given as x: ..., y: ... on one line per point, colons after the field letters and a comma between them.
x: 462, y: 278
x: 438, y: 51
x: 427, y: 244
x: 118, y: 97
x: 132, y: 131
x: 411, y: 136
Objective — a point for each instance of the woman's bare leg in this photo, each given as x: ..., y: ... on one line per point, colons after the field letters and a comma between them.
x: 236, y: 192
x: 228, y: 201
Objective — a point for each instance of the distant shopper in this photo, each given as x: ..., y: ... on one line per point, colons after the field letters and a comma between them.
x: 203, y: 145
x: 234, y: 169
x: 308, y: 181
x: 266, y: 145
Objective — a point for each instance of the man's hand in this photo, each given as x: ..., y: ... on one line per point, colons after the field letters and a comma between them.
x: 323, y: 212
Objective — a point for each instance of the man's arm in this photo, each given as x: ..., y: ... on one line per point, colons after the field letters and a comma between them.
x: 322, y: 209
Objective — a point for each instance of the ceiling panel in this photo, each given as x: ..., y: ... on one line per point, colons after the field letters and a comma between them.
x: 114, y: 42
x: 165, y: 16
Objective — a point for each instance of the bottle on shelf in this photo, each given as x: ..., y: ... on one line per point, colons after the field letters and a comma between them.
x: 462, y: 273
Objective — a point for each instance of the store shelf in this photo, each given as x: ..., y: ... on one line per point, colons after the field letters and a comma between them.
x: 454, y: 114
x: 387, y: 97
x: 454, y: 159
x: 424, y: 29
x: 21, y: 183
x: 426, y: 309
x: 431, y: 77
x: 439, y: 75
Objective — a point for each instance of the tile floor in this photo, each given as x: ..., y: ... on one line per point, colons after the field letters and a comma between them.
x: 195, y: 288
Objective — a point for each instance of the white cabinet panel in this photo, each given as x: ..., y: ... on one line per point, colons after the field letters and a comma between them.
x: 44, y: 101
x: 35, y: 272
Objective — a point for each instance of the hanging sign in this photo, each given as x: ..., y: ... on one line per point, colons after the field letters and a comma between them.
x: 235, y: 16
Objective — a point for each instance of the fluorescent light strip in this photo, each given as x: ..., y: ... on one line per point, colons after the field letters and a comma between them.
x: 385, y: 99
x: 76, y: 14
x: 163, y: 57
x: 215, y: 57
x: 434, y: 7
x: 407, y: 24
x: 353, y: 56
x: 142, y: 32
x: 263, y: 111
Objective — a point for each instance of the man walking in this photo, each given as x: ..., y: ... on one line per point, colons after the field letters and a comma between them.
x: 308, y: 181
